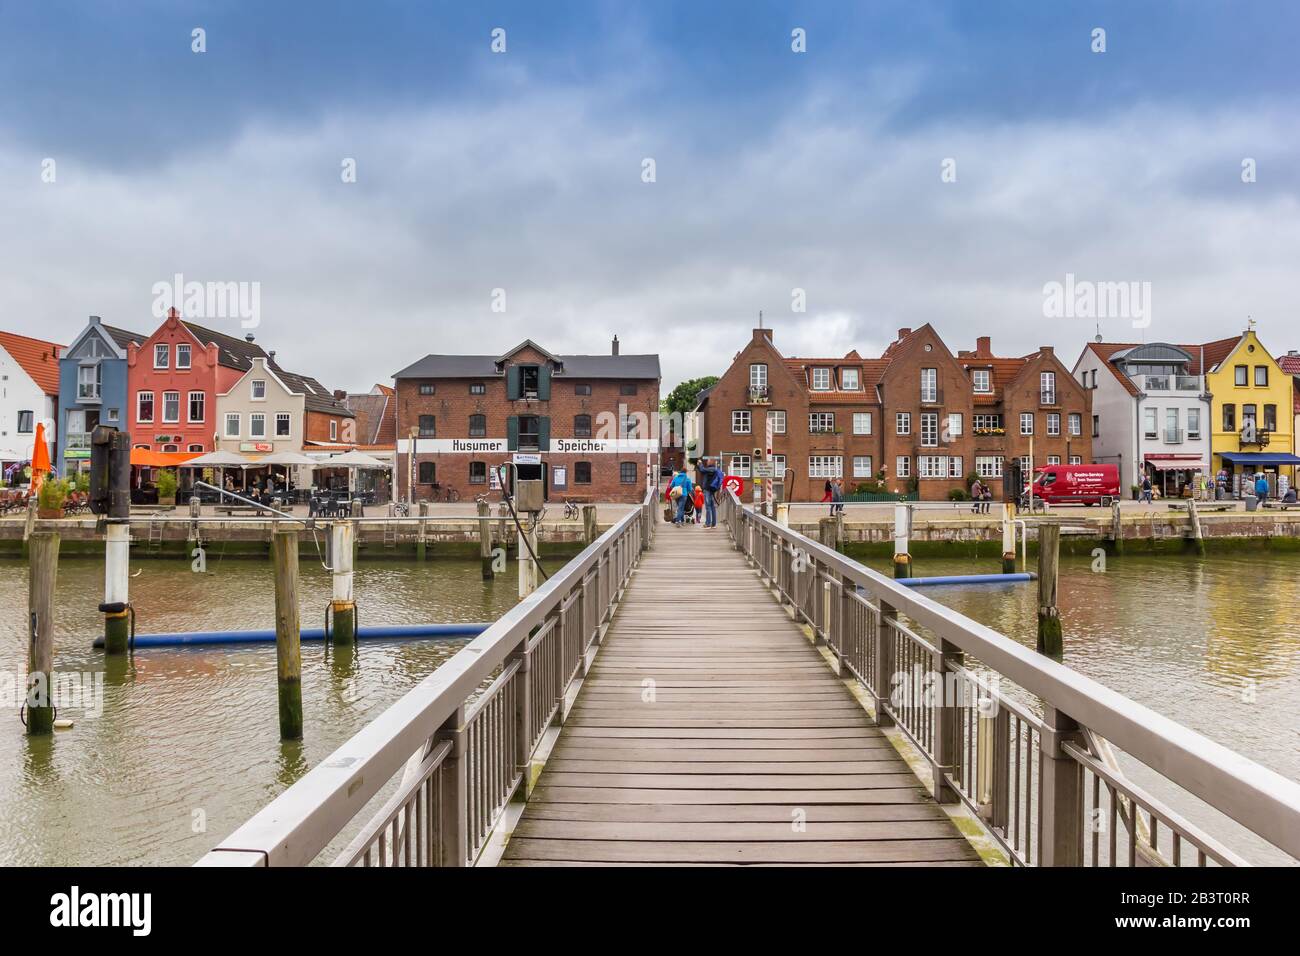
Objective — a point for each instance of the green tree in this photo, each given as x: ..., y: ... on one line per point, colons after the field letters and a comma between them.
x: 685, y: 396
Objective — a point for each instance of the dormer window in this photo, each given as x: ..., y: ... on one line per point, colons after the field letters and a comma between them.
x: 821, y: 379
x: 849, y: 379
x: 528, y: 380
x: 982, y: 380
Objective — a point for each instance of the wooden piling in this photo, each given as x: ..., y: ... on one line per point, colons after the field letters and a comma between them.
x: 1198, y: 539
x: 527, y: 566
x: 43, y: 569
x: 421, y: 542
x: 830, y: 532
x: 342, y: 606
x: 117, y: 583
x: 288, y: 632
x: 1050, y: 639
x: 590, y: 531
x: 485, y: 540
x: 29, y: 526
x: 902, y: 531
x: 1117, y: 526
x: 1008, y: 537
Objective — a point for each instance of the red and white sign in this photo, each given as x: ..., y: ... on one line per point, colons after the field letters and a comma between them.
x: 735, y: 484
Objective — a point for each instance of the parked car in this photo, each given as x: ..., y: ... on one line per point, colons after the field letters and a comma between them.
x: 1077, y: 484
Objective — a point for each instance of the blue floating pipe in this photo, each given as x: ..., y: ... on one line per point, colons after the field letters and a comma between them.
x: 969, y: 579
x: 375, y: 632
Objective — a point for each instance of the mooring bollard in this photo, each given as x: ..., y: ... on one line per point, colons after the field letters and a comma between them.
x: 1050, y: 639
x: 1008, y: 537
x: 783, y: 514
x: 902, y: 531
x: 528, y: 567
x: 343, y: 607
x: 1117, y: 526
x: 589, y: 528
x: 43, y: 569
x: 117, y: 583
x: 485, y: 540
x: 288, y: 632
x: 1198, y: 539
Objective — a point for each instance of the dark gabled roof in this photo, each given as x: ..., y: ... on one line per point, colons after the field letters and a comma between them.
x: 572, y: 366
x: 232, y: 352
x: 316, y: 397
x: 375, y: 414
x: 123, y: 337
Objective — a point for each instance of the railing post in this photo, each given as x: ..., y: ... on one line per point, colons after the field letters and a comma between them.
x: 947, y: 739
x: 523, y: 715
x: 884, y: 681
x: 847, y: 589
x: 454, y: 850
x: 1061, y: 836
x: 823, y: 635
x: 998, y: 764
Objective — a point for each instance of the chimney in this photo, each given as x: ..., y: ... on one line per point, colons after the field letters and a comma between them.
x: 249, y: 338
x: 614, y: 346
x: 1046, y: 350
x: 763, y: 335
x: 903, y: 333
x: 340, y: 394
x: 271, y: 355
x: 984, y: 346
x: 95, y: 320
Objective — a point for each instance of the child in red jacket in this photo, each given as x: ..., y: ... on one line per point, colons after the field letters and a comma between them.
x: 699, y: 503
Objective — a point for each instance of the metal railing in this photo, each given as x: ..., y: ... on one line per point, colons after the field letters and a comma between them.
x: 1023, y: 741
x: 462, y: 749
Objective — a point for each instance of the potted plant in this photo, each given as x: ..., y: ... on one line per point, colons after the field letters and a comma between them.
x: 49, y: 501
x: 166, y: 487
x: 1136, y: 489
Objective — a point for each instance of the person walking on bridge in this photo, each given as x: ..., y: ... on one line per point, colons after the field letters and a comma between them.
x: 711, y: 480
x: 680, y: 490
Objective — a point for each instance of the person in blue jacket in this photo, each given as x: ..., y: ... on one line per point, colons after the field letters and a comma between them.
x: 1261, y: 487
x: 711, y: 480
x: 682, y: 481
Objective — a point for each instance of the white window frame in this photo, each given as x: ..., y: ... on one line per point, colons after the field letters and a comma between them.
x: 203, y: 407
x: 1193, y: 431
x: 160, y: 350
x: 862, y: 466
x: 741, y: 422
x: 931, y: 466
x: 232, y: 418
x: 1053, y: 459
x: 956, y: 424
x: 903, y: 423
x: 1076, y: 459
x: 989, y: 466
x: 929, y: 429
x: 738, y: 465
x: 1075, y: 422
x: 849, y: 381
x: 821, y: 422
x: 902, y: 467
x: 1053, y: 425
x: 821, y: 379
x: 777, y: 417
x: 176, y: 419
x: 1026, y: 423
x: 139, y: 397
x: 334, y: 429
x: 982, y: 380
x: 862, y: 423
x: 257, y: 424
x: 825, y: 466
x: 1047, y: 387
x: 253, y: 390
x: 955, y: 466
x: 929, y: 384
x: 758, y: 375
x: 778, y: 466
x: 288, y: 420
x: 183, y: 350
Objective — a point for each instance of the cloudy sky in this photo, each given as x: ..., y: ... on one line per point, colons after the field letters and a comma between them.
x: 774, y: 171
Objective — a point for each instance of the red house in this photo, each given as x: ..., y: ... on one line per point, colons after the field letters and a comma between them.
x: 173, y: 379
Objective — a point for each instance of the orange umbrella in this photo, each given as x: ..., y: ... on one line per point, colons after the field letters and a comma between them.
x: 40, y: 459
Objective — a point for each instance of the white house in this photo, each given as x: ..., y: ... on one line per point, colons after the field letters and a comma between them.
x: 1150, y: 410
x: 29, y: 395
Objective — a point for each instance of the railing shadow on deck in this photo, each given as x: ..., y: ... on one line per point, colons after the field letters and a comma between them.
x: 463, y: 754
x: 1045, y: 785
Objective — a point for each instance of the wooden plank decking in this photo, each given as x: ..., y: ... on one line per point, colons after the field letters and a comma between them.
x: 744, y: 733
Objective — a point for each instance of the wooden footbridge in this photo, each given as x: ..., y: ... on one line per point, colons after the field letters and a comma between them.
x: 744, y: 695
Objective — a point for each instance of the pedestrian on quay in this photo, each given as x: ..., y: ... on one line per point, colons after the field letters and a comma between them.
x: 977, y: 495
x: 1261, y: 487
x: 1146, y: 488
x: 827, y: 496
x: 698, y: 501
x: 680, y: 492
x: 837, y: 497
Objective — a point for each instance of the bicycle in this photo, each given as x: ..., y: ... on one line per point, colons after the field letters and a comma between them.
x: 401, y: 509
x: 447, y: 494
x: 571, y: 510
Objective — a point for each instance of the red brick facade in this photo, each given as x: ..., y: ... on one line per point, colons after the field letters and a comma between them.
x: 906, y: 419
x: 565, y: 410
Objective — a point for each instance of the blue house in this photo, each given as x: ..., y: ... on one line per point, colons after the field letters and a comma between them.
x: 92, y: 390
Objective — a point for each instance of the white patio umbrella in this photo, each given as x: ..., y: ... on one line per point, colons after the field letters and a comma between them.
x: 352, y: 461
x: 287, y: 460
x: 220, y: 460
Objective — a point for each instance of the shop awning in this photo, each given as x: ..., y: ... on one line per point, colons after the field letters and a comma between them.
x: 1177, y: 463
x: 1260, y: 458
x: 160, y: 459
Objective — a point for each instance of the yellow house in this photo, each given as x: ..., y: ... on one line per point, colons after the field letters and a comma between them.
x: 1251, y: 421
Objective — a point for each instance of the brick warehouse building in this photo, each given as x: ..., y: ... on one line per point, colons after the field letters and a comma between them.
x: 586, y: 425
x: 917, y: 413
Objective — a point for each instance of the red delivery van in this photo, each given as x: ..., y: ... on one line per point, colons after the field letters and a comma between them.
x: 1077, y: 484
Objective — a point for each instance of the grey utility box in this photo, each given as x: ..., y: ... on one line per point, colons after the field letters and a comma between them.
x: 528, y: 495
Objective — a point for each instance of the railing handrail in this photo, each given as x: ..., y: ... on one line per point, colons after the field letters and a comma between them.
x: 298, y: 824
x: 1260, y: 799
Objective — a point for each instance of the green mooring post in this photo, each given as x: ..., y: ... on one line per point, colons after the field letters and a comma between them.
x: 288, y: 632
x: 343, y: 607
x: 902, y: 531
x: 1050, y: 640
x: 43, y: 564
